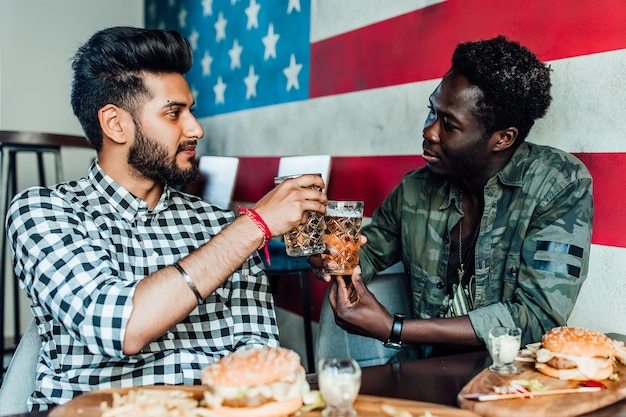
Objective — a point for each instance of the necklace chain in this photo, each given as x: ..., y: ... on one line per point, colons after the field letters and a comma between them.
x: 473, y: 242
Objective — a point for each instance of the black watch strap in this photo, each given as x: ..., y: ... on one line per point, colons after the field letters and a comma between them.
x: 394, y: 340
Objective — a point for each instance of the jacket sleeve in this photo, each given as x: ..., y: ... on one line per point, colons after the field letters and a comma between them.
x: 384, y: 240
x: 540, y: 293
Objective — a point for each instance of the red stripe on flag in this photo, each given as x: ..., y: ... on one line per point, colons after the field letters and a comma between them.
x: 418, y: 46
x: 255, y: 177
x: 607, y: 171
x: 371, y: 178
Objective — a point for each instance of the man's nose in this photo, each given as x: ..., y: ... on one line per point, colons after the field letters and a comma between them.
x: 430, y: 131
x: 194, y: 129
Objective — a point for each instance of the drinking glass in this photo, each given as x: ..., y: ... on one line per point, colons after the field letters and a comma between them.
x: 339, y: 382
x: 308, y: 238
x: 343, y: 231
x: 504, y: 344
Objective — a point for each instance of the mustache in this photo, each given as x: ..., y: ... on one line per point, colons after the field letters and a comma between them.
x: 187, y: 146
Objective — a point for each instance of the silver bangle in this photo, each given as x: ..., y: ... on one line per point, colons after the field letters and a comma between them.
x: 189, y: 282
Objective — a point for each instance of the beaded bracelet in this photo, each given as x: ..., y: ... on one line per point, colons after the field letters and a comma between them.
x: 189, y: 282
x: 267, y: 234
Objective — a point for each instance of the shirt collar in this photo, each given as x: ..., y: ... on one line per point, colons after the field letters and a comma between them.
x: 121, y: 200
x: 513, y: 172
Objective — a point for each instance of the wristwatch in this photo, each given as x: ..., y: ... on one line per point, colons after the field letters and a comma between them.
x: 393, y: 342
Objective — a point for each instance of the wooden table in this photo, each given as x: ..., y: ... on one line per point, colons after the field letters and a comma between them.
x: 436, y: 380
x: 439, y: 380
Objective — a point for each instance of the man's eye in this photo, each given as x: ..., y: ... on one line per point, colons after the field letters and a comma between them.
x: 447, y: 124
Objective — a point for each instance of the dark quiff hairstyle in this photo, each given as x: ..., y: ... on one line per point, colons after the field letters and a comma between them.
x: 108, y: 69
x: 515, y: 85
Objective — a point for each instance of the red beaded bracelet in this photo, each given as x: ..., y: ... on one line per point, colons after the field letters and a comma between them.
x: 267, y: 234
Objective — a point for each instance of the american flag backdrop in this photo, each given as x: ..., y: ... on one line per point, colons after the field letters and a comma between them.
x: 248, y: 54
x: 352, y: 77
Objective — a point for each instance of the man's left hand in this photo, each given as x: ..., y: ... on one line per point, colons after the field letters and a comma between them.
x: 356, y: 309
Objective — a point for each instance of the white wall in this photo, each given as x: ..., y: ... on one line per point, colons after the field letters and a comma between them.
x: 37, y: 41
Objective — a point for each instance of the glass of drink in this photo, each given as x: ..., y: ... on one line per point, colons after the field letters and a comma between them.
x: 343, y: 231
x: 504, y: 344
x: 339, y: 382
x: 308, y: 238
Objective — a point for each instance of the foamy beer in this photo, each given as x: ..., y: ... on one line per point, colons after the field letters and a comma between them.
x: 308, y: 238
x: 343, y: 231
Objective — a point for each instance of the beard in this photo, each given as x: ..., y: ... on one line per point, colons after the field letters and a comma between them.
x: 151, y: 159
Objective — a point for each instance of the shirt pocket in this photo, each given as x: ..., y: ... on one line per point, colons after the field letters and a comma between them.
x: 510, y: 276
x: 428, y: 292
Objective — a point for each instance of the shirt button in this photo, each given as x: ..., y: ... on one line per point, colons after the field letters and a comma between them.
x: 440, y: 285
x: 144, y: 218
x: 171, y: 336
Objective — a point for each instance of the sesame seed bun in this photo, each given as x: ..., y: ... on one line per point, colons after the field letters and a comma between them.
x: 260, y: 382
x: 251, y: 367
x: 578, y: 341
x: 574, y: 353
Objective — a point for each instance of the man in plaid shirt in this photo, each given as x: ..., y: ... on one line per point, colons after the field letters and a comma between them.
x: 131, y: 281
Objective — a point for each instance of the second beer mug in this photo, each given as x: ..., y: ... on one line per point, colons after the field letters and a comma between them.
x: 343, y: 231
x: 308, y: 238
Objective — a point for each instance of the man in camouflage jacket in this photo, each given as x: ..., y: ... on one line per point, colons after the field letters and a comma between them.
x: 521, y: 212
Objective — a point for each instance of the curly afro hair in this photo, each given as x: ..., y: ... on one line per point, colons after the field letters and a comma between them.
x: 515, y: 85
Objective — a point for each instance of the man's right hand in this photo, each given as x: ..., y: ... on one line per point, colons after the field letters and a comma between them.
x: 320, y: 264
x: 284, y: 207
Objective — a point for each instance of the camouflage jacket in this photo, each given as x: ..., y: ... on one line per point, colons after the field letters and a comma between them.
x: 532, y: 253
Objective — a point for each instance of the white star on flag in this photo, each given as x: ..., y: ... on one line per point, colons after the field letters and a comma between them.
x: 193, y: 39
x: 269, y: 41
x: 219, y: 90
x: 206, y: 62
x: 220, y: 28
x: 251, y: 81
x: 252, y: 12
x: 293, y: 5
x: 235, y: 55
x: 207, y: 7
x: 182, y: 18
x: 291, y: 72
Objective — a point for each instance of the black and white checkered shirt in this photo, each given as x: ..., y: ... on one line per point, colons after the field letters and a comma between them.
x: 80, y: 248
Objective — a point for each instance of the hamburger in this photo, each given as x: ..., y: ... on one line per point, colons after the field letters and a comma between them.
x: 574, y: 353
x: 259, y: 382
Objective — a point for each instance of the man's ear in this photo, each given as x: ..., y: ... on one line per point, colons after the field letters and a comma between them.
x: 504, y: 138
x: 111, y: 120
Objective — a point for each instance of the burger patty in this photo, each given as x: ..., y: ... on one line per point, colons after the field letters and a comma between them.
x: 246, y: 401
x: 561, y: 363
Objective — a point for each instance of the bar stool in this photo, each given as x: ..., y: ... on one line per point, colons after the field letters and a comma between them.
x: 12, y: 143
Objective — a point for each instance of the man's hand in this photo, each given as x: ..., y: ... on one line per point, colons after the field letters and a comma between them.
x: 356, y: 309
x: 284, y: 207
x: 320, y: 264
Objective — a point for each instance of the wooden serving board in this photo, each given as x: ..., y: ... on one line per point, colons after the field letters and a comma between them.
x: 88, y: 405
x: 561, y: 405
x: 371, y: 406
